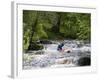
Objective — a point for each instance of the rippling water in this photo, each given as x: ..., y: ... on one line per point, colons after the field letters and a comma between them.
x: 50, y: 57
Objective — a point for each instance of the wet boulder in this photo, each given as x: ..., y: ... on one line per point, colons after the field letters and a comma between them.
x: 45, y: 42
x: 84, y: 61
x: 35, y: 46
x: 63, y: 61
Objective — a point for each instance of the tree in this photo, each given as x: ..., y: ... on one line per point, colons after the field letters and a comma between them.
x: 38, y: 25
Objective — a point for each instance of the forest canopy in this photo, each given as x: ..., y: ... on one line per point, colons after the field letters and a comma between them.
x: 40, y: 25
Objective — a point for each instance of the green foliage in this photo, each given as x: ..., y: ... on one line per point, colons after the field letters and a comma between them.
x: 39, y: 25
x: 41, y: 32
x: 84, y: 27
x: 26, y: 36
x: 29, y: 17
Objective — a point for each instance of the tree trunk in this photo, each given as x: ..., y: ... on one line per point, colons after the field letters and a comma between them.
x: 57, y: 25
x: 33, y: 27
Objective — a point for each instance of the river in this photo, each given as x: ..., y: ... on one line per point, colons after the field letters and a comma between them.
x: 51, y: 57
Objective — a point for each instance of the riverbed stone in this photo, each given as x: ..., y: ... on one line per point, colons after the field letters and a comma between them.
x: 84, y: 61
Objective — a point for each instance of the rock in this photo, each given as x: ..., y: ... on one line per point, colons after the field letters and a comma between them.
x: 79, y: 44
x: 35, y: 46
x: 39, y: 52
x: 84, y: 61
x: 63, y: 61
x: 67, y: 50
x: 45, y: 42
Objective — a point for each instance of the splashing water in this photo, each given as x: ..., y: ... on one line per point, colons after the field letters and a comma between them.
x: 50, y: 57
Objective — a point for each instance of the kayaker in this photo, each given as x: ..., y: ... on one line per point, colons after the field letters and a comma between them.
x: 59, y: 48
